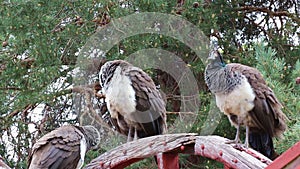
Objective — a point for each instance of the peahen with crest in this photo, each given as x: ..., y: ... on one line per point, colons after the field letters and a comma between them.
x: 243, y: 95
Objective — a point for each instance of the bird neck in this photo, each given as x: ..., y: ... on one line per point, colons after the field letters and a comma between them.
x: 220, y: 79
x: 223, y: 64
x: 88, y: 141
x: 215, y: 65
x: 215, y: 60
x: 215, y: 77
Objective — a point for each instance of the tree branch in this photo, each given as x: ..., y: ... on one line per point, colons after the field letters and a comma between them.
x: 260, y: 27
x: 88, y: 93
x: 269, y: 12
x: 24, y: 111
x: 191, y: 113
x: 10, y: 88
x: 265, y: 10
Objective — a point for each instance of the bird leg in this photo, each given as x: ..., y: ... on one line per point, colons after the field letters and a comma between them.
x: 247, y: 137
x: 135, y: 134
x: 237, y: 136
x: 129, y: 138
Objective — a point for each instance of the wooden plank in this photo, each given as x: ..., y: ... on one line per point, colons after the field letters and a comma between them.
x: 168, y: 160
x: 3, y: 165
x: 214, y: 147
x: 295, y: 164
x: 140, y: 149
x: 287, y: 157
x: 168, y: 146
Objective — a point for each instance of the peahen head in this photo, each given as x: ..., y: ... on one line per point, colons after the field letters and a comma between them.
x: 215, y: 59
x: 92, y: 137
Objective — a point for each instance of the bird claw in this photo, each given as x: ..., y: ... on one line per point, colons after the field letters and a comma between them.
x: 238, y: 141
x: 238, y: 144
x: 241, y: 147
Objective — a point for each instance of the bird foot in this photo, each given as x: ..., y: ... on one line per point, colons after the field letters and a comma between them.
x: 235, y: 141
x: 237, y: 144
x: 129, y: 139
x: 241, y: 147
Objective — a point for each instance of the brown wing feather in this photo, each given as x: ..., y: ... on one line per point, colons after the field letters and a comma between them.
x: 57, y: 149
x: 266, y: 114
x: 120, y: 125
x: 149, y: 103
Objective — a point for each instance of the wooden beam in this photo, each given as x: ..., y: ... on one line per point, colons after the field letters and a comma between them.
x: 168, y: 160
x: 168, y: 146
x: 289, y: 156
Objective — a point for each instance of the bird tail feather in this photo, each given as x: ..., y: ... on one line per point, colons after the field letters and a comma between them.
x: 263, y: 143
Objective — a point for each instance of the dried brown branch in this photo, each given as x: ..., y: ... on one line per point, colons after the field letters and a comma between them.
x: 191, y: 113
x: 181, y: 97
x: 59, y: 27
x: 10, y: 88
x: 90, y: 89
x: 83, y: 89
x: 42, y: 124
x: 65, y: 50
x: 27, y: 62
x: 16, y: 112
x: 26, y: 110
x: 24, y: 63
x: 265, y: 10
x: 88, y: 93
x: 260, y: 27
x: 103, y: 20
x: 269, y: 12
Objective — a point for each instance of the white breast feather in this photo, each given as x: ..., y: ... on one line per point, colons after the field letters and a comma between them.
x: 239, y: 101
x: 120, y: 95
x: 83, y: 148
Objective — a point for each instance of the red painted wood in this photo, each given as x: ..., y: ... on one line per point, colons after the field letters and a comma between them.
x: 287, y: 157
x: 168, y: 161
x: 126, y: 163
x: 227, y: 167
x: 212, y: 147
x: 295, y: 164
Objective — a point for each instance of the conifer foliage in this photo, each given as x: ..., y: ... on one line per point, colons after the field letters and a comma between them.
x: 40, y: 41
